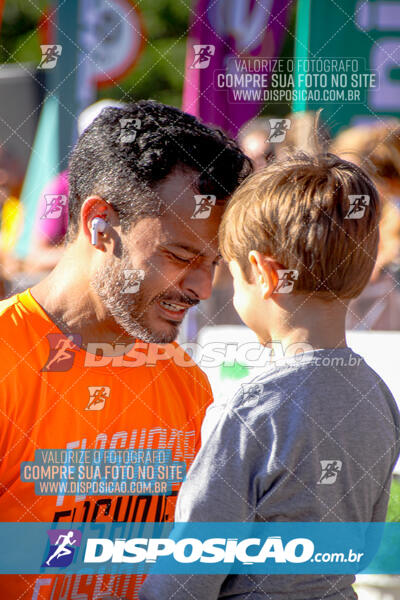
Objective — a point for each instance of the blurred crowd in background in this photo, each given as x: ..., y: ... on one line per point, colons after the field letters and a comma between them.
x: 375, y: 147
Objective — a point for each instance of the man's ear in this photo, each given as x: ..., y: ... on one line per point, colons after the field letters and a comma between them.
x: 264, y: 270
x: 94, y: 207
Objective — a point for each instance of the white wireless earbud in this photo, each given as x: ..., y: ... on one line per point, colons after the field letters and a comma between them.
x: 98, y: 225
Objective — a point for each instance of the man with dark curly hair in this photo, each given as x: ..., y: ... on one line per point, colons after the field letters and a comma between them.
x: 89, y: 359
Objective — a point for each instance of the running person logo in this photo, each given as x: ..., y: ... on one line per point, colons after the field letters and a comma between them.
x: 62, y: 547
x: 287, y: 278
x: 129, y: 130
x: 61, y: 352
x: 330, y: 469
x: 278, y: 129
x: 98, y: 395
x: 133, y: 279
x: 55, y: 204
x: 202, y: 55
x: 203, y: 206
x: 357, y: 206
x: 50, y: 55
x: 251, y: 392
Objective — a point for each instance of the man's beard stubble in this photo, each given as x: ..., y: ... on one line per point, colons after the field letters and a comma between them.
x: 127, y: 309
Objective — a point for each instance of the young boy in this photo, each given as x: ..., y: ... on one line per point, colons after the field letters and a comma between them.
x: 316, y: 437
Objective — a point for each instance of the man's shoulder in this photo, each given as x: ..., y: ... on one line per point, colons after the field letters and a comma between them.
x: 12, y: 313
x: 7, y: 303
x: 21, y: 329
x: 15, y: 340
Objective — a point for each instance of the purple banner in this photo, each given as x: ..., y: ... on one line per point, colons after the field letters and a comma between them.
x: 228, y: 37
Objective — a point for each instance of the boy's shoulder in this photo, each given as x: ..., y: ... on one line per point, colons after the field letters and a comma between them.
x: 256, y: 397
x: 328, y: 377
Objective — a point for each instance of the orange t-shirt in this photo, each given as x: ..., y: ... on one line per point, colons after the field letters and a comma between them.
x: 51, y: 396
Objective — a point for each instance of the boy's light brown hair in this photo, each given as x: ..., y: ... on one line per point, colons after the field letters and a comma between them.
x: 296, y: 212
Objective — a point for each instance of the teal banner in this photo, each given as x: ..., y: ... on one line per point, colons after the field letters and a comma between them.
x: 206, y: 548
x: 367, y: 32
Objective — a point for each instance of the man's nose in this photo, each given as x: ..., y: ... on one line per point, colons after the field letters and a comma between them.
x: 198, y: 282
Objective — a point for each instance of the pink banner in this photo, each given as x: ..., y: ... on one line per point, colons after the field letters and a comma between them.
x: 1, y: 10
x: 227, y: 37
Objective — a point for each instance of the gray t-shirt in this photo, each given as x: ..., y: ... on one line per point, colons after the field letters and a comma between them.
x: 264, y: 456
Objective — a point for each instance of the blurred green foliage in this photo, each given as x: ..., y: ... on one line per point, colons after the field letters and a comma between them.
x: 158, y: 74
x: 18, y: 37
x: 160, y: 70
x: 393, y: 513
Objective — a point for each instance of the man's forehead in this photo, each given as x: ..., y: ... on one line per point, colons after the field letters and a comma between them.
x: 181, y: 182
x: 180, y: 198
x: 201, y: 248
x: 176, y: 236
x: 175, y: 227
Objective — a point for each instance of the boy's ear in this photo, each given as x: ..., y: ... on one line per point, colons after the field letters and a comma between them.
x: 264, y: 270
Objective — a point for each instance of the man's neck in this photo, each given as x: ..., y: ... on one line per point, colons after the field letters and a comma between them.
x: 68, y: 299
